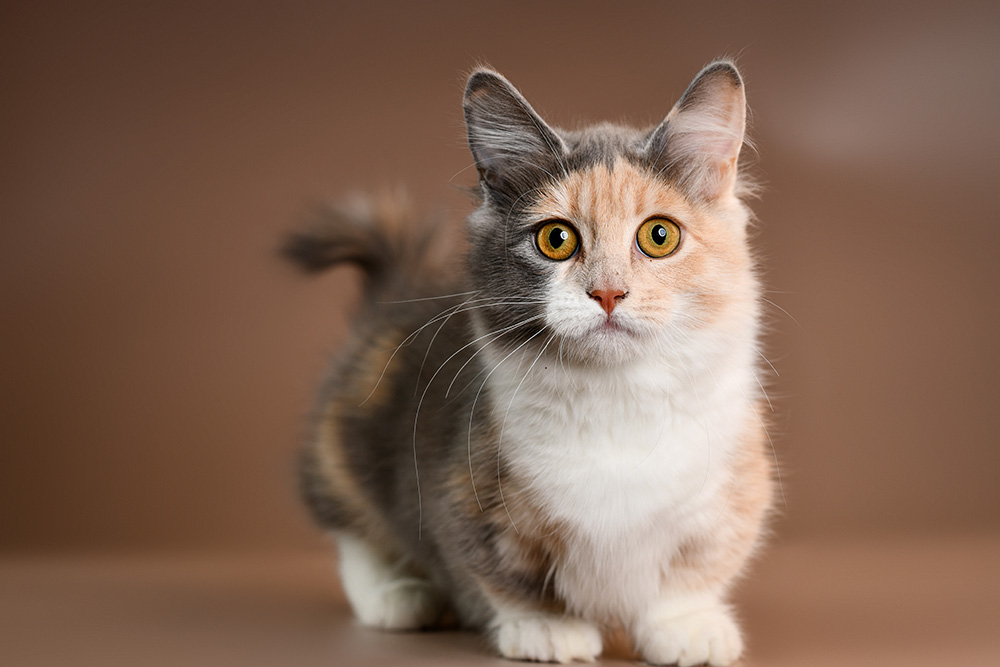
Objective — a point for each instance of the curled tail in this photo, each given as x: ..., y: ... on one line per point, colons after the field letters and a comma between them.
x: 399, y: 252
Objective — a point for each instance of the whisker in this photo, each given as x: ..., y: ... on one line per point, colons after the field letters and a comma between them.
x: 459, y: 308
x: 750, y: 293
x: 774, y: 452
x: 469, y: 360
x: 504, y: 426
x: 416, y: 417
x: 431, y: 298
x: 472, y: 412
x: 499, y: 334
x: 790, y: 316
x: 427, y: 353
x: 775, y: 370
x: 405, y: 341
x: 762, y: 390
x: 465, y: 168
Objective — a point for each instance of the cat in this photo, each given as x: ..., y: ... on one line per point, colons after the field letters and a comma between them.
x: 553, y: 431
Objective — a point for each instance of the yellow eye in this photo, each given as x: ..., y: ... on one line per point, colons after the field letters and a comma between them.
x: 557, y: 240
x: 658, y: 237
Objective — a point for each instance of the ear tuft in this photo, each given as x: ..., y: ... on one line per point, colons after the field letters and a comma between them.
x: 698, y: 144
x: 512, y: 146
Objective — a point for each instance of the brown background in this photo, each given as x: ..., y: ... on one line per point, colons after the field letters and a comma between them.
x: 157, y: 359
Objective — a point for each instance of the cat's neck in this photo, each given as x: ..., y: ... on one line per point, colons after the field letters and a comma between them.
x: 720, y: 372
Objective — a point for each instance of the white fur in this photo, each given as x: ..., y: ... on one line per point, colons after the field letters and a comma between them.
x: 384, y: 593
x: 633, y: 458
x: 689, y: 630
x: 546, y: 638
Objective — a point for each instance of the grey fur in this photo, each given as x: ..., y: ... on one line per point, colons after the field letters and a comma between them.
x: 406, y: 450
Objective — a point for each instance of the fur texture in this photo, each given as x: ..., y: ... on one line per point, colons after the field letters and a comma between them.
x: 544, y: 462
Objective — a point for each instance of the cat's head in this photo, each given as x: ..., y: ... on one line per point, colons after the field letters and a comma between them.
x: 610, y: 243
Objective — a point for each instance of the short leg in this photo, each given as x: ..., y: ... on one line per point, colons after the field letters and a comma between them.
x: 544, y: 637
x: 690, y: 623
x: 689, y: 630
x: 385, y: 593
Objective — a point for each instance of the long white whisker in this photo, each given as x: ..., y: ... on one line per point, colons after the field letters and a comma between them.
x: 465, y: 168
x: 472, y: 412
x: 444, y: 314
x: 469, y: 360
x: 766, y: 397
x: 504, y: 426
x: 416, y: 418
x: 431, y: 298
x: 427, y: 353
x: 776, y: 374
x: 405, y: 341
x: 774, y: 452
x: 499, y: 334
x: 790, y: 316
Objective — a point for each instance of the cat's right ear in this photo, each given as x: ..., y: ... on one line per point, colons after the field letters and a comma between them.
x: 513, y: 147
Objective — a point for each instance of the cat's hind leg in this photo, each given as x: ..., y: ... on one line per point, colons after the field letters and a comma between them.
x: 384, y: 591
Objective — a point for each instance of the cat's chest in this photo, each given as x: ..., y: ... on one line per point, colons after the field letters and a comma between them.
x: 604, y: 457
x: 628, y: 473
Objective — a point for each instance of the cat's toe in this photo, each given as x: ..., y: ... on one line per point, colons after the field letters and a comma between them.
x: 548, y: 639
x: 694, y: 638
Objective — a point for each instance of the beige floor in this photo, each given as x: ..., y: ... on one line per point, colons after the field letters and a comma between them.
x: 929, y: 602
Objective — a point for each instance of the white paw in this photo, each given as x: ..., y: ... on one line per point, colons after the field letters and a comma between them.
x: 548, y: 639
x: 401, y: 604
x: 693, y: 638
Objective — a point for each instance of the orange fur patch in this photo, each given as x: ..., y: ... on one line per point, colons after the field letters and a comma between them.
x: 717, y: 556
x: 607, y: 205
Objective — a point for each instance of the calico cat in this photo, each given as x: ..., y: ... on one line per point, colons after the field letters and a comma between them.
x: 568, y: 440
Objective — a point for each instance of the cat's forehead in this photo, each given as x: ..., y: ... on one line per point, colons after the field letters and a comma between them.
x: 602, y: 143
x: 605, y: 194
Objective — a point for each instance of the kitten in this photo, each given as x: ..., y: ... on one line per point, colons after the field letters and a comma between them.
x: 569, y: 441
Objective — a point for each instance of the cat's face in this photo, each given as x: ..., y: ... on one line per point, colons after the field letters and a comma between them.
x: 609, y: 244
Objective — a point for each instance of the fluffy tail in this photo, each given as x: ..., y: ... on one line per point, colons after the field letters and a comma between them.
x: 399, y: 252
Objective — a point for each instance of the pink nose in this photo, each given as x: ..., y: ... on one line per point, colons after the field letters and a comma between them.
x: 609, y: 298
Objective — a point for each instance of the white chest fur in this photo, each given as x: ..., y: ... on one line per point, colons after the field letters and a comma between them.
x: 632, y: 462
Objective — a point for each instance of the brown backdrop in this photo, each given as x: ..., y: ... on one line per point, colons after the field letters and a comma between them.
x: 157, y: 359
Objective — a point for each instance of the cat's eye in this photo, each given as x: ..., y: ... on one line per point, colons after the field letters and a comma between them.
x: 557, y: 240
x: 658, y: 237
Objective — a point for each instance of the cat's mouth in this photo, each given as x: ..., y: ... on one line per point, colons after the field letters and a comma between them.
x: 614, y: 326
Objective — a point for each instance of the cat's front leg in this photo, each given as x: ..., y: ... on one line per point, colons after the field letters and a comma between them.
x: 688, y: 629
x: 689, y: 622
x: 522, y: 634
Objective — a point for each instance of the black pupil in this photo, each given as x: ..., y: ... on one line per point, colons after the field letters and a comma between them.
x: 557, y: 237
x: 659, y: 234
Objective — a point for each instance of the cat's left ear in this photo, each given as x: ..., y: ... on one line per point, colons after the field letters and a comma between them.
x: 698, y: 144
x: 513, y: 147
